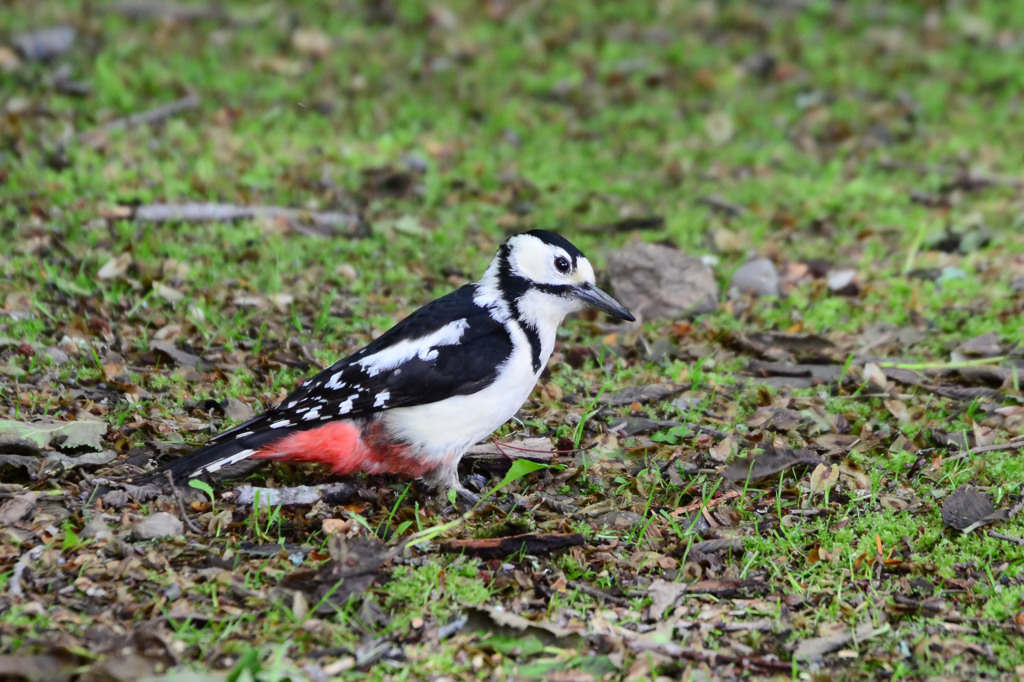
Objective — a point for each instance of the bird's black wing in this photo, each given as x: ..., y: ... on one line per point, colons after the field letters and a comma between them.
x: 448, y: 347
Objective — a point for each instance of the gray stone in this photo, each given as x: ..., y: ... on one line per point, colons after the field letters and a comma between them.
x: 158, y: 525
x: 655, y: 281
x: 97, y: 528
x: 45, y: 43
x: 617, y: 520
x: 758, y: 277
x: 238, y: 410
x: 843, y: 282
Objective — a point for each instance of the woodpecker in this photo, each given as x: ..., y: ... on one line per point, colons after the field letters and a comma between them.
x: 421, y: 394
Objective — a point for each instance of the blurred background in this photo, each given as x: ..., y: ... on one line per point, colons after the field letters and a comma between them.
x: 203, y: 202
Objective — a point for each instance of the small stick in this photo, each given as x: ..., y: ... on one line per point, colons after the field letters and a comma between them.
x: 164, y: 111
x: 571, y: 451
x: 708, y: 505
x: 998, y: 447
x: 181, y: 506
x: 169, y: 11
x: 715, y: 433
x: 960, y: 174
x: 321, y: 221
x: 530, y: 543
x: 597, y: 593
x: 1008, y: 538
x: 941, y: 366
x: 723, y: 205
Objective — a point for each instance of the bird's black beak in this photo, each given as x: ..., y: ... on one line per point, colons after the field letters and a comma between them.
x: 591, y: 295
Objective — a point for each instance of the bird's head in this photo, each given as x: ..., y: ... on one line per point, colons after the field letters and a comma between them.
x: 542, y: 277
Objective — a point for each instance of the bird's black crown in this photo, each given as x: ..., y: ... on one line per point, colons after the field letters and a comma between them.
x: 559, y: 241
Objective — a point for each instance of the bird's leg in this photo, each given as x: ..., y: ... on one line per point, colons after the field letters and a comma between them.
x: 466, y: 495
x: 446, y: 478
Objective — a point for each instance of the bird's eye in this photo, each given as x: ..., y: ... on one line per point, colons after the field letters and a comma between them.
x: 562, y: 265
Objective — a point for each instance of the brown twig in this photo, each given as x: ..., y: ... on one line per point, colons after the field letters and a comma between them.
x: 156, y: 115
x: 597, y: 593
x: 998, y: 447
x: 987, y: 622
x: 495, y: 451
x: 713, y: 658
x: 530, y: 543
x: 519, y: 448
x: 722, y: 205
x: 1008, y: 538
x: 705, y: 505
x: 167, y: 11
x: 181, y: 506
x: 331, y: 493
x: 729, y: 587
x: 653, y: 222
x: 323, y: 223
x: 714, y: 433
x: 962, y: 176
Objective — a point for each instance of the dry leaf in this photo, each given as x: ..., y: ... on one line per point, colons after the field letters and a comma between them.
x: 115, y: 267
x: 312, y: 42
x: 823, y: 478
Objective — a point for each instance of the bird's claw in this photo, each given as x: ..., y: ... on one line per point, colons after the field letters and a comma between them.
x: 466, y: 496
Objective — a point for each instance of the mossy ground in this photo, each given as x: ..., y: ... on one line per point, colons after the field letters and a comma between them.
x: 864, y: 134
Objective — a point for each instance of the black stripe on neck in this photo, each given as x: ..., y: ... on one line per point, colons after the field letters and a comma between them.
x: 533, y: 336
x: 512, y: 289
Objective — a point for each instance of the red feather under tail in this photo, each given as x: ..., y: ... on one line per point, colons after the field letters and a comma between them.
x: 346, y: 449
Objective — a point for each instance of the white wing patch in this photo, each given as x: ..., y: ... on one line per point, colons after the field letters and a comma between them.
x: 346, y: 406
x: 221, y: 463
x: 312, y: 414
x: 381, y: 398
x: 423, y: 347
x: 280, y: 423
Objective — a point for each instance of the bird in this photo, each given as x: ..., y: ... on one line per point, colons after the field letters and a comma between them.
x: 417, y: 397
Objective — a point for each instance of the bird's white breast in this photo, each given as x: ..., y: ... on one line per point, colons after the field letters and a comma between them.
x: 446, y: 429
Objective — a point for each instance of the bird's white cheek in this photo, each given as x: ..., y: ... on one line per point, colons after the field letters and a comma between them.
x: 544, y: 311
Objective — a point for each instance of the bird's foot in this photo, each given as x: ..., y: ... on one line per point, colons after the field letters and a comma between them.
x: 464, y: 499
x: 466, y: 496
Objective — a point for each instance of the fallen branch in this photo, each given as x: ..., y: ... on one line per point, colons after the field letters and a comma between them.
x: 534, y: 449
x: 654, y: 222
x: 597, y: 593
x: 497, y: 548
x: 962, y: 178
x: 181, y: 505
x: 722, y: 205
x: 160, y: 113
x: 987, y: 622
x: 715, y: 659
x: 717, y: 545
x: 679, y: 511
x: 1008, y: 538
x: 312, y: 223
x: 303, y: 495
x: 167, y: 11
x: 729, y: 587
x: 1016, y: 444
x: 941, y: 366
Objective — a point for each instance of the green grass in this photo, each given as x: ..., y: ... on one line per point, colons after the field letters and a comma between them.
x: 846, y: 144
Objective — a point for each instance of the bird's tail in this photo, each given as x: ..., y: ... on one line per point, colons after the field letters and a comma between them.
x: 236, y: 445
x: 337, y: 445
